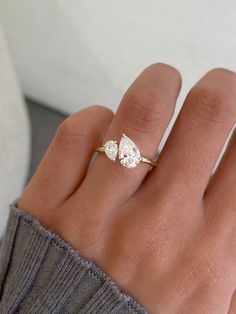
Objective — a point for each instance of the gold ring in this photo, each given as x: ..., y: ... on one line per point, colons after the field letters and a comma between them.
x: 127, y: 151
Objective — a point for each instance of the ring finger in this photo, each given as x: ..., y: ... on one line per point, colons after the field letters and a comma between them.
x: 143, y: 115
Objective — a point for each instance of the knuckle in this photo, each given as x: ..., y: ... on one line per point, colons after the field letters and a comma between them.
x: 143, y: 112
x: 105, y: 111
x: 223, y: 71
x: 72, y: 127
x: 211, y: 105
x: 166, y: 68
x: 77, y: 124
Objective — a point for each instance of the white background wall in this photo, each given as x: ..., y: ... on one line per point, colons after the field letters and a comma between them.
x: 70, y: 54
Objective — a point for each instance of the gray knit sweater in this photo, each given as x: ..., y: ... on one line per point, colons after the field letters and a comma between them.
x: 41, y: 273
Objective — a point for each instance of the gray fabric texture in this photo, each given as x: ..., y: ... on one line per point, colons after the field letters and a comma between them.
x: 41, y: 273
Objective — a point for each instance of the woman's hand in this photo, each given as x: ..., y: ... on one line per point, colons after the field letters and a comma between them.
x: 168, y: 236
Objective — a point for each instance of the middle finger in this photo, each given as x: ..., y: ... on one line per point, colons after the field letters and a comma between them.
x: 198, y: 136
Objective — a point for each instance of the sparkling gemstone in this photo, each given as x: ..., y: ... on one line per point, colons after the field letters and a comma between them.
x: 129, y: 154
x: 111, y: 150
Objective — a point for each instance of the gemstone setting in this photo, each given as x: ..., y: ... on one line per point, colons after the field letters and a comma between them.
x: 111, y: 149
x: 129, y: 154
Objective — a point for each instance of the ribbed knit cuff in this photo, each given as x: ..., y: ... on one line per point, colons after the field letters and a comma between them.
x: 41, y: 273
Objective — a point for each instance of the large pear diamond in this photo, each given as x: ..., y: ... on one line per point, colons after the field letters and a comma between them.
x: 111, y: 149
x: 129, y: 154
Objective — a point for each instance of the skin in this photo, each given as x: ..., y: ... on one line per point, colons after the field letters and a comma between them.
x: 167, y: 236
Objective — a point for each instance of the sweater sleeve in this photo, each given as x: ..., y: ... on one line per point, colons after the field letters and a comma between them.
x: 41, y: 273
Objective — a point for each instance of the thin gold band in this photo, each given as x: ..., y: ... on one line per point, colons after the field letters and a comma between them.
x: 101, y: 149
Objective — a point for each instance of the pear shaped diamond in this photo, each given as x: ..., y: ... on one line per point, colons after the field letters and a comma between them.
x: 129, y: 154
x: 111, y: 149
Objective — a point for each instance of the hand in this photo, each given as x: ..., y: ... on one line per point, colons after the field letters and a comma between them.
x: 167, y: 237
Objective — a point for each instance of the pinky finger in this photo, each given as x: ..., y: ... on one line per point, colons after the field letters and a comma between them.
x: 66, y: 162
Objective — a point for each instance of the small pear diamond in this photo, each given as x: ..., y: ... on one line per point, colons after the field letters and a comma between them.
x: 129, y: 154
x: 111, y: 149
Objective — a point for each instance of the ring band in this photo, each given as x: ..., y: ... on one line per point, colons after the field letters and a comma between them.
x: 127, y: 151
